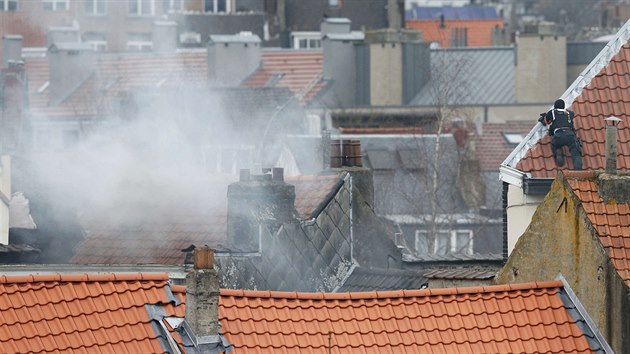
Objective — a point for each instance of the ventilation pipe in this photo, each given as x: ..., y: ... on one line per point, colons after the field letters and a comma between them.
x: 611, y: 143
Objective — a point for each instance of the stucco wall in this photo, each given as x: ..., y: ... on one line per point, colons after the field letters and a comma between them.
x: 541, y: 69
x: 520, y: 209
x: 560, y: 239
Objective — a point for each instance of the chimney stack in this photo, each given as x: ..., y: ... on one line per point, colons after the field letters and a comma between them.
x: 164, y: 36
x: 258, y: 200
x: 611, y: 144
x: 202, y: 296
x: 11, y: 49
x: 69, y: 65
x: 68, y: 34
x: 232, y: 58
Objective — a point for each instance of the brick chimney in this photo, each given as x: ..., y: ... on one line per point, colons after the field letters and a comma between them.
x: 255, y: 201
x: 202, y: 297
x: 11, y: 49
x: 69, y: 66
x: 232, y: 58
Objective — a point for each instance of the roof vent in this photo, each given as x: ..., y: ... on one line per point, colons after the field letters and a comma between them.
x: 611, y: 143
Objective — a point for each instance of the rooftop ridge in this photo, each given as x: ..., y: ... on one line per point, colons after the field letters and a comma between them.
x: 86, y: 277
x: 579, y: 174
x: 391, y: 293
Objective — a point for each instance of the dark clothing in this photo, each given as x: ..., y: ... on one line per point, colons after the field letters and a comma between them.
x: 562, y: 131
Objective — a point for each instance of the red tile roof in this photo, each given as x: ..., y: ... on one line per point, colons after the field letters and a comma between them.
x: 610, y: 220
x: 494, y: 319
x: 606, y: 94
x: 102, y: 313
x: 491, y: 147
x: 116, y: 73
x: 108, y: 313
x: 157, y: 234
x: 479, y: 32
x: 299, y: 70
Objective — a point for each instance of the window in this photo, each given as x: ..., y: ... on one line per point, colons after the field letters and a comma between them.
x: 97, y: 40
x: 216, y: 6
x: 141, y: 7
x: 140, y: 42
x: 513, y: 138
x: 8, y: 5
x: 172, y: 5
x: 459, y: 37
x: 306, y: 40
x: 96, y: 7
x: 445, y: 242
x: 55, y: 5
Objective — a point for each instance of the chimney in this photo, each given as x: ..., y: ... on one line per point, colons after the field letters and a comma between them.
x: 232, y: 58
x: 5, y: 196
x: 202, y: 297
x: 13, y: 102
x: 11, y: 49
x: 254, y: 201
x: 341, y: 60
x: 164, y: 36
x: 60, y: 34
x: 536, y: 83
x: 69, y: 66
x: 611, y: 144
x: 346, y: 153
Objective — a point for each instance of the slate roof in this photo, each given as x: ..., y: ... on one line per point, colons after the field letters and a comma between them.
x: 115, y: 73
x: 157, y: 234
x: 599, y: 92
x: 84, y: 313
x: 472, y: 75
x: 611, y: 221
x: 451, y: 13
x: 461, y: 273
x: 532, y: 317
x: 299, y: 70
x: 376, y: 279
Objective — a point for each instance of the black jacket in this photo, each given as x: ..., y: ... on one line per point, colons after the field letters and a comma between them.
x: 559, y: 119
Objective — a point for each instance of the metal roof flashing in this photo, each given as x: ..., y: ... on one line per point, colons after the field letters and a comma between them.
x: 507, y: 171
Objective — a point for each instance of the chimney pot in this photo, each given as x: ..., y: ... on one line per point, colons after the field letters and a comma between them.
x: 278, y: 174
x: 204, y: 258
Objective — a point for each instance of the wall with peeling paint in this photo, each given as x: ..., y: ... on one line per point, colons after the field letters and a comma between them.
x: 560, y: 239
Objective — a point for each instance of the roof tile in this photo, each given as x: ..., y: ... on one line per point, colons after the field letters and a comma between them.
x: 479, y: 319
x: 610, y: 220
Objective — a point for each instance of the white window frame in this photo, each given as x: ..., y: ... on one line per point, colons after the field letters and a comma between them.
x: 140, y: 11
x: 173, y: 6
x: 450, y: 235
x: 215, y: 6
x: 95, y: 8
x: 4, y: 5
x: 55, y: 4
x: 308, y: 36
x: 455, y: 247
x: 139, y: 46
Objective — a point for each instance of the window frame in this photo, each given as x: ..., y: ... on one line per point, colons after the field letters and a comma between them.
x: 452, y: 246
x: 4, y: 5
x: 55, y: 5
x: 308, y: 37
x: 215, y: 6
x: 168, y: 6
x: 139, y: 8
x: 95, y: 8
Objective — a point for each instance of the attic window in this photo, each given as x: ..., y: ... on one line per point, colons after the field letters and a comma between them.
x: 513, y: 138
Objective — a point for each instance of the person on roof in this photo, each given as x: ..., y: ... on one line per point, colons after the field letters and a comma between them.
x: 562, y: 132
